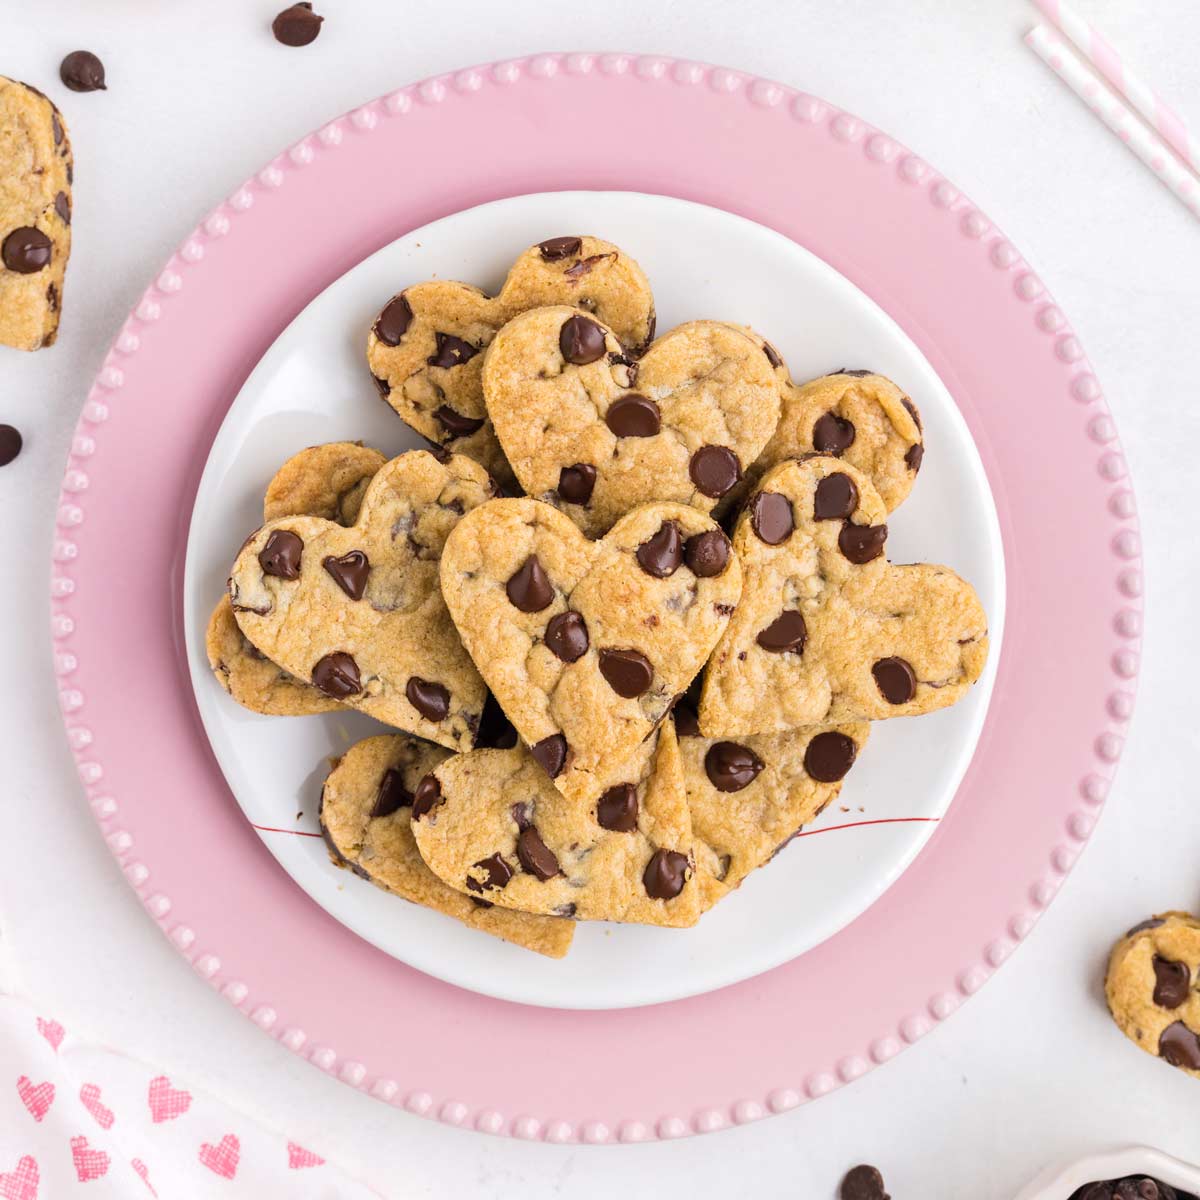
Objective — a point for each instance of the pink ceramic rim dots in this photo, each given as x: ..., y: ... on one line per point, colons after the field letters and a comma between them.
x: 902, y: 233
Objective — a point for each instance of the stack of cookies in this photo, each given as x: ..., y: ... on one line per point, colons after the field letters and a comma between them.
x: 631, y: 614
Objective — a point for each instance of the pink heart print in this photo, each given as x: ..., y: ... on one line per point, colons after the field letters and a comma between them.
x: 89, y: 1164
x: 222, y: 1159
x: 37, y: 1097
x: 166, y: 1102
x: 21, y: 1184
x: 299, y: 1158
x: 52, y: 1031
x: 89, y: 1097
x: 143, y: 1174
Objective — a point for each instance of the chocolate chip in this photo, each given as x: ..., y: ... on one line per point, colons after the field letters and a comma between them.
x: 731, y: 767
x: 297, y: 26
x: 10, y: 444
x: 581, y: 341
x: 62, y: 206
x: 281, y: 555
x: 633, y: 416
x: 863, y: 1182
x: 349, y: 572
x: 665, y: 874
x: 428, y: 793
x: 832, y: 434
x: 914, y: 456
x: 522, y: 814
x: 912, y: 412
x: 59, y: 134
x: 772, y: 355
x: 535, y: 856
x: 617, y: 809
x: 451, y: 352
x: 628, y: 672
x: 567, y: 636
x: 707, y: 554
x: 714, y: 470
x: 392, y: 794
x: 1172, y: 982
x: 566, y: 910
x: 576, y: 483
x: 895, y: 679
x: 454, y: 423
x: 1142, y: 926
x: 857, y: 373
x: 337, y: 675
x: 495, y: 730
x: 26, y: 250
x: 861, y: 543
x: 529, y: 589
x: 835, y: 498
x: 431, y: 700
x: 771, y: 517
x: 829, y: 756
x: 584, y: 265
x: 480, y: 903
x: 1180, y: 1046
x: 555, y: 249
x: 82, y: 71
x: 551, y: 754
x: 687, y: 723
x: 785, y: 635
x: 382, y: 386
x: 496, y: 874
x: 52, y: 298
x: 661, y: 554
x: 392, y: 324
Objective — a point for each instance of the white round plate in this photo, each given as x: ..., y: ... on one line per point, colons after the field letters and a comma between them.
x: 313, y: 386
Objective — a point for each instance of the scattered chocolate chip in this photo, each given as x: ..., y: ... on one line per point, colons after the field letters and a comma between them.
x: 829, y: 756
x: 581, y: 341
x: 665, y: 874
x: 895, y: 679
x: 52, y: 298
x: 496, y: 872
x: 62, y: 206
x: 785, y: 635
x: 26, y: 250
x: 714, y: 470
x: 707, y: 554
x: 451, y: 352
x: 1180, y: 1046
x: 281, y: 555
x: 731, y: 767
x: 551, y: 754
x: 382, y: 386
x: 1172, y: 982
x: 835, y: 497
x: 522, y: 814
x: 857, y: 373
x: 428, y: 793
x: 82, y: 71
x: 566, y: 910
x: 617, y: 809
x: 349, y: 572
x: 584, y: 265
x: 529, y: 589
x: 914, y: 456
x: 392, y: 794
x: 392, y: 324
x: 454, y: 423
x: 771, y: 517
x: 861, y: 543
x: 297, y: 25
x: 10, y: 444
x: 1142, y: 926
x: 535, y: 856
x: 495, y: 731
x: 628, y: 672
x: 687, y: 723
x: 567, y: 636
x: 337, y: 675
x: 431, y: 700
x: 832, y: 434
x: 59, y: 134
x: 772, y: 355
x: 558, y: 248
x: 912, y: 412
x: 661, y: 554
x: 633, y: 416
x: 479, y: 902
x: 576, y: 483
x: 862, y: 1182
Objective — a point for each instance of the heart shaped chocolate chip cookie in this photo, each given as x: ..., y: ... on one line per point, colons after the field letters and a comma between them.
x: 424, y: 347
x: 596, y: 433
x: 586, y: 644
x: 358, y: 611
x: 491, y: 824
x: 828, y: 630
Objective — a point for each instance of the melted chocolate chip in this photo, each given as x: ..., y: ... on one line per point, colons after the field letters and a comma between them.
x: 567, y: 636
x: 337, y: 675
x: 861, y: 543
x: 1172, y: 982
x: 829, y: 756
x: 454, y: 423
x: 835, y: 498
x: 895, y: 679
x: 771, y: 517
x: 785, y: 635
x: 714, y: 470
x: 62, y: 206
x: 661, y: 554
x: 26, y: 250
x: 581, y: 341
x: 772, y: 355
x: 556, y: 249
x: 912, y: 412
x: 10, y: 444
x: 617, y: 809
x: 428, y: 793
x: 1180, y: 1046
x: 82, y: 71
x: 832, y: 434
x: 297, y: 25
x: 431, y: 700
x: 350, y: 572
x: 495, y: 731
x: 576, y: 483
x: 392, y: 794
x: 1142, y: 926
x: 451, y: 352
x: 522, y: 814
x: 633, y: 416
x: 731, y: 767
x: 914, y: 456
x: 392, y: 324
x: 628, y: 672
x: 550, y: 754
x: 281, y: 555
x: 863, y: 1182
x: 496, y: 874
x: 665, y: 874
x: 530, y: 589
x: 707, y: 554
x: 535, y: 856
x: 687, y: 723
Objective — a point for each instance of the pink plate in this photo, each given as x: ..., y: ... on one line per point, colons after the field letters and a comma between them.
x: 912, y: 242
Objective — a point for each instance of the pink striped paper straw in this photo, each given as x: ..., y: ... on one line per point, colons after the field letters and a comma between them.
x: 1139, y: 138
x: 1108, y: 61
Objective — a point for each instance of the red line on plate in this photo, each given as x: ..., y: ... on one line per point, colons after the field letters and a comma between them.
x: 857, y: 824
x: 273, y: 829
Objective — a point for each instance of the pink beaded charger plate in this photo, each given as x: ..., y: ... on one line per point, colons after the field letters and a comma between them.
x: 910, y: 241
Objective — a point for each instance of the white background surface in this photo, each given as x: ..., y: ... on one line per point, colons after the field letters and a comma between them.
x: 200, y: 96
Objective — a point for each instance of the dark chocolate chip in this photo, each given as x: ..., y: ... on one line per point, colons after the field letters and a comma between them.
x: 617, y: 809
x: 26, y: 250
x: 665, y: 874
x: 1172, y: 982
x: 297, y: 25
x: 896, y: 680
x: 382, y: 386
x: 59, y: 134
x: 555, y: 249
x: 857, y: 372
x: 337, y: 675
x: 529, y: 589
x: 772, y: 355
x: 566, y: 910
x: 349, y: 572
x: 835, y: 497
x: 633, y: 416
x: 451, y: 352
x: 522, y: 814
x: 914, y: 456
x: 431, y: 700
x: 479, y: 902
x: 62, y: 206
x: 82, y: 71
x: 392, y: 794
x: 1142, y: 926
x: 785, y: 635
x: 52, y: 298
x: 628, y: 672
x: 861, y: 543
x: 863, y: 1182
x: 714, y: 470
x: 731, y: 767
x: 535, y: 856
x: 454, y: 423
x: 567, y: 636
x: 581, y: 341
x: 392, y: 324
x: 832, y: 434
x: 281, y: 555
x: 551, y: 754
x: 428, y: 793
x: 576, y: 483
x: 707, y: 554
x: 496, y: 874
x: 829, y: 756
x: 687, y: 723
x: 495, y: 731
x: 10, y: 444
x: 912, y: 412
x: 1180, y: 1046
x: 661, y: 554
x: 771, y: 517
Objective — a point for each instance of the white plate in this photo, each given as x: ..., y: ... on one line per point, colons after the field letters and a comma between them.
x: 313, y: 386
